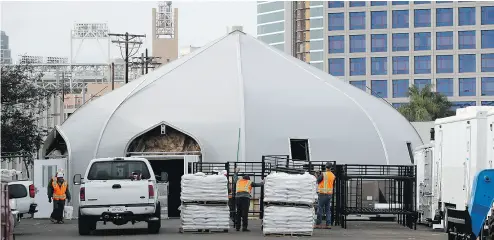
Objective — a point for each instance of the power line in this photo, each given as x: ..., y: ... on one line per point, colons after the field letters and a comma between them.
x: 135, y: 40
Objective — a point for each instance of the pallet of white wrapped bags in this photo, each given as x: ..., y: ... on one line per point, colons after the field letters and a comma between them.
x: 288, y: 220
x: 200, y: 187
x: 195, y: 217
x: 286, y: 188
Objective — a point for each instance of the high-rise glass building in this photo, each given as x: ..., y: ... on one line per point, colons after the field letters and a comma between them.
x: 385, y: 47
x: 5, y: 57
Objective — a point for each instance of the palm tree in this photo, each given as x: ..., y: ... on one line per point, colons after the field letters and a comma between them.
x: 425, y: 105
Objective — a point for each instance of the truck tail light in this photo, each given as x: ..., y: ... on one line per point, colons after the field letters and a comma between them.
x: 82, y: 194
x: 32, y: 191
x: 151, y: 191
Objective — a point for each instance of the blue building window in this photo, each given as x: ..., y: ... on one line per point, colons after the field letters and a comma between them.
x: 487, y: 38
x: 398, y: 105
x: 487, y: 103
x: 337, y: 66
x: 336, y: 4
x: 444, y: 40
x: 444, y: 86
x: 357, y: 20
x: 357, y: 3
x: 422, y: 65
x: 487, y: 61
x: 444, y: 17
x: 357, y: 66
x: 467, y: 87
x: 487, y: 15
x: 379, y: 88
x: 421, y: 2
x: 359, y: 84
x: 379, y: 3
x: 401, y: 65
x: 400, y: 88
x: 422, y: 18
x: 466, y: 40
x: 466, y: 16
x: 336, y: 44
x: 422, y: 41
x: 379, y: 19
x: 336, y: 21
x: 444, y: 2
x: 444, y: 64
x: 400, y: 42
x: 379, y: 65
x: 400, y: 19
x: 456, y: 105
x: 357, y: 43
x: 422, y: 83
x: 487, y: 86
x: 379, y: 42
x: 467, y: 63
x: 400, y: 2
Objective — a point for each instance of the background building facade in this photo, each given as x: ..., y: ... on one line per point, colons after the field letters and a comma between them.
x: 4, y: 49
x: 385, y: 47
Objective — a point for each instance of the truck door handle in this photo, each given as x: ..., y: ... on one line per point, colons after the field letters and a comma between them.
x: 116, y: 186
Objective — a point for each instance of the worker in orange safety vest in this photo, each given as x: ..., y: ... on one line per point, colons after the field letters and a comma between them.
x: 58, y: 192
x: 242, y: 198
x: 325, y: 186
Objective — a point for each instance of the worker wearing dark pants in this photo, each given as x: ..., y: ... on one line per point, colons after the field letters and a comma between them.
x: 242, y: 200
x: 58, y: 192
x: 325, y: 183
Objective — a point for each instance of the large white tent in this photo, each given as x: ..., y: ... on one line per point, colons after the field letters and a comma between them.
x: 240, y: 99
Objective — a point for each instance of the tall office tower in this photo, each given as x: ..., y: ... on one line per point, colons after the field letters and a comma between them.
x: 384, y: 47
x: 5, y: 57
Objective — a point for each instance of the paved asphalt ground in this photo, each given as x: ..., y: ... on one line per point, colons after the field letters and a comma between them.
x: 32, y: 229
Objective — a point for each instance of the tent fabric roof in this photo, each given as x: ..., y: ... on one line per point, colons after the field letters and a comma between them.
x: 240, y: 99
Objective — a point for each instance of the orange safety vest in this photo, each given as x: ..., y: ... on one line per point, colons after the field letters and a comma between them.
x: 326, y: 185
x: 59, y: 190
x: 244, y: 186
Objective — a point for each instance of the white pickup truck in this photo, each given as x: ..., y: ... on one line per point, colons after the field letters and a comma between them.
x: 118, y: 190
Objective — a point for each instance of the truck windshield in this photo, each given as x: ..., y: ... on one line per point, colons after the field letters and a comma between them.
x: 113, y: 170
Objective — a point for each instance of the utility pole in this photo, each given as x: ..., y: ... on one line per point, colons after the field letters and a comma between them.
x: 112, y: 76
x: 125, y: 39
x: 144, y: 62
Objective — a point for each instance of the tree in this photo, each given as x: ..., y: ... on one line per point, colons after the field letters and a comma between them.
x: 23, y: 102
x: 425, y: 105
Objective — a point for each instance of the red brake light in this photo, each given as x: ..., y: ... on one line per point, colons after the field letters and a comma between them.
x: 82, y: 194
x: 151, y: 191
x: 32, y: 192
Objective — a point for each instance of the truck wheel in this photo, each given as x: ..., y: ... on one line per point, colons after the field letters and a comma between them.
x: 446, y: 225
x: 85, y: 224
x: 154, y: 226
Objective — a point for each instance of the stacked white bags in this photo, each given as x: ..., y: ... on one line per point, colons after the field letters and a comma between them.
x: 204, y: 202
x: 287, y: 219
x: 205, y: 217
x: 289, y: 199
x: 202, y: 187
x: 290, y: 188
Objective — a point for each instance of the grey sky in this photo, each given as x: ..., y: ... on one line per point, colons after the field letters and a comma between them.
x: 43, y: 28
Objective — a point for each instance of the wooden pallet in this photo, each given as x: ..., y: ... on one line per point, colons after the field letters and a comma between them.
x: 292, y: 234
x: 211, y: 230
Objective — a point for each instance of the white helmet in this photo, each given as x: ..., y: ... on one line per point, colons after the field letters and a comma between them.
x: 60, y: 175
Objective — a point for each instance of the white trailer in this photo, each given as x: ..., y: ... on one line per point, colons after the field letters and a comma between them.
x: 427, y: 184
x: 461, y: 151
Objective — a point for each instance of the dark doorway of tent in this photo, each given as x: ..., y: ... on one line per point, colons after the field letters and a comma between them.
x: 169, y: 151
x: 299, y: 149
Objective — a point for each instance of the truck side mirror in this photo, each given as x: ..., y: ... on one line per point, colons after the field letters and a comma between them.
x: 77, y: 179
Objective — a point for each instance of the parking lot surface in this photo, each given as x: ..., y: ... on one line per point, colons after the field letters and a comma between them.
x: 33, y: 229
